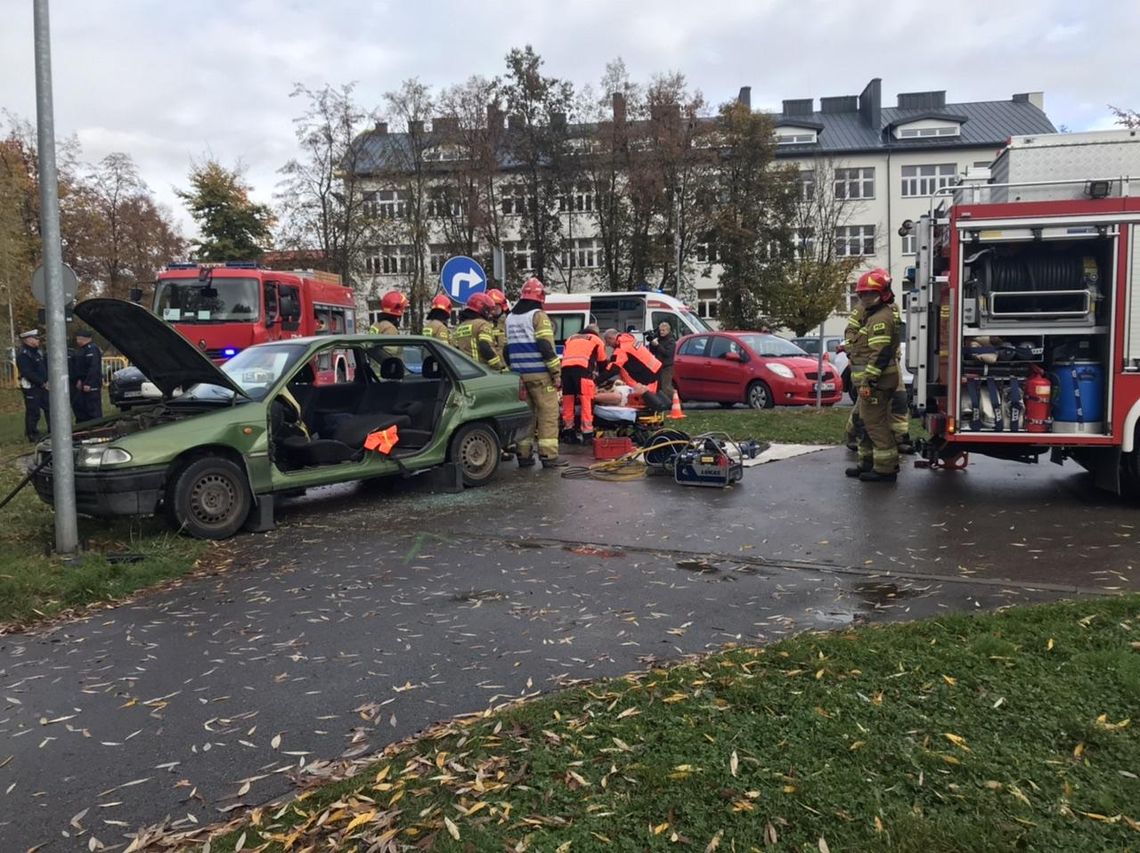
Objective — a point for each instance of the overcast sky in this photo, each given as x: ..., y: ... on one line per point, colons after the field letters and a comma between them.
x: 170, y: 81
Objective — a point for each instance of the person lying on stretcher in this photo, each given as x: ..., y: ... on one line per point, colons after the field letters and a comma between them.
x: 635, y: 396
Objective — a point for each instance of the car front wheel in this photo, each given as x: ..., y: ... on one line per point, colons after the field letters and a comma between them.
x: 759, y: 395
x: 209, y: 498
x: 475, y: 448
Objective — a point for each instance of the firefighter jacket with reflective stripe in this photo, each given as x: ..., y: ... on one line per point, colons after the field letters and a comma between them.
x: 475, y: 336
x: 384, y: 326
x: 634, y: 363
x: 851, y: 336
x: 437, y: 329
x: 585, y: 350
x: 501, y: 336
x: 530, y: 343
x: 877, y: 345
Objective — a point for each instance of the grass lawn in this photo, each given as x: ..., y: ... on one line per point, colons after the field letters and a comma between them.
x: 782, y: 425
x: 1006, y: 731
x: 34, y: 584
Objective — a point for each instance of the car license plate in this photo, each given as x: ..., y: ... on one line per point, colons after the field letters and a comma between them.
x: 132, y: 393
x: 827, y: 386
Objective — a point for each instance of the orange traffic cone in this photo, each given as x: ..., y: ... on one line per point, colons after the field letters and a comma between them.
x: 676, y: 414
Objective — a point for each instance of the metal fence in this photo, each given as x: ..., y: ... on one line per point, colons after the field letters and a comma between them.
x: 10, y: 379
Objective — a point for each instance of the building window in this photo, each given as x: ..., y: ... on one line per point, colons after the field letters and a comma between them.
x: 926, y: 132
x: 579, y: 201
x: 389, y: 260
x: 582, y: 254
x: 521, y: 254
x: 807, y: 184
x: 796, y: 137
x: 909, y: 243
x: 707, y: 302
x: 852, y: 298
x: 706, y: 251
x: 856, y: 183
x: 925, y: 180
x: 855, y: 241
x: 386, y: 204
x: 441, y: 205
x: 516, y: 201
x: 437, y: 257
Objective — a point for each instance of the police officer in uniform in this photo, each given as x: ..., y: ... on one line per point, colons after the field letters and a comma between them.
x: 89, y: 378
x: 531, y: 354
x: 877, y: 346
x: 33, y: 370
x: 435, y: 325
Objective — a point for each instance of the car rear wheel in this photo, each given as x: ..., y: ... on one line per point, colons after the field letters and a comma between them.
x: 475, y: 448
x: 209, y: 498
x: 759, y: 395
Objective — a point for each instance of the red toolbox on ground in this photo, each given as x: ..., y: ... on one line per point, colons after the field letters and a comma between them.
x: 612, y: 447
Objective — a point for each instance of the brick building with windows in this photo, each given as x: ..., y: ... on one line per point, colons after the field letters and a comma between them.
x: 883, y: 162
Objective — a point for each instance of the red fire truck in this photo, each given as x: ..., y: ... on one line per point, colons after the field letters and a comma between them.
x: 224, y: 308
x: 1023, y: 317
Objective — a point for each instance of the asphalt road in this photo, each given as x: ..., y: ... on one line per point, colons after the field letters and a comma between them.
x: 371, y: 613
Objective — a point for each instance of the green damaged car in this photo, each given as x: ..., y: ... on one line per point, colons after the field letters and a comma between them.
x: 277, y: 417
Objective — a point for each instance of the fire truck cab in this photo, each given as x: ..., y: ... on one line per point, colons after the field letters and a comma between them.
x: 1023, y: 316
x: 224, y: 308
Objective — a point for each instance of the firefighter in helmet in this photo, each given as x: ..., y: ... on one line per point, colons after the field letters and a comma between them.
x: 392, y: 307
x: 502, y: 306
x: 856, y: 366
x: 475, y: 334
x: 531, y: 354
x: 435, y: 326
x: 876, y: 348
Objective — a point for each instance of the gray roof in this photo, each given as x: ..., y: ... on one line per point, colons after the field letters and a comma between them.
x: 983, y: 124
x: 987, y: 123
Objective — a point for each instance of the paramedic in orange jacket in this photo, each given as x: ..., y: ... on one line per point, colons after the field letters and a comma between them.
x: 582, y: 354
x: 634, y: 363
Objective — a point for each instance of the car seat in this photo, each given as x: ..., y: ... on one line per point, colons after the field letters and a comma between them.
x: 393, y: 369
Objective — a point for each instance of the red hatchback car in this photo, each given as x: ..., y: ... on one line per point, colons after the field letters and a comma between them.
x: 757, y: 369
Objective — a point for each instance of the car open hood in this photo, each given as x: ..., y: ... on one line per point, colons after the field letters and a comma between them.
x: 165, y: 357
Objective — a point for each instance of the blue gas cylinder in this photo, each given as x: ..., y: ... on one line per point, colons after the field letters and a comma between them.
x: 1079, y: 392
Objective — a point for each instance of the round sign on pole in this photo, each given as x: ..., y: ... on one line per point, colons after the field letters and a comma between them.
x: 460, y: 277
x: 39, y: 284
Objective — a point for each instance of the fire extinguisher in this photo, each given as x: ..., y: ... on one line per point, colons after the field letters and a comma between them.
x: 1038, y: 401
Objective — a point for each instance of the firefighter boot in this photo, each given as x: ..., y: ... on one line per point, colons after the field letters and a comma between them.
x: 876, y: 477
x: 526, y: 461
x: 864, y: 467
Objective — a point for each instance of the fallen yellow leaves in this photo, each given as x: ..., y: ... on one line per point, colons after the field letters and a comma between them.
x: 957, y: 740
x: 1103, y: 724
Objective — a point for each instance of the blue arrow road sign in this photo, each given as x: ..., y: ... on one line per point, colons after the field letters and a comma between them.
x: 460, y: 277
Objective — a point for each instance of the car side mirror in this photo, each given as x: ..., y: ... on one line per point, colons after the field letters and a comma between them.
x: 136, y: 295
x: 733, y: 356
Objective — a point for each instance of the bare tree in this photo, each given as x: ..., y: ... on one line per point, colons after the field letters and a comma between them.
x: 467, y: 203
x: 411, y: 172
x: 1125, y: 117
x: 321, y: 198
x: 817, y: 262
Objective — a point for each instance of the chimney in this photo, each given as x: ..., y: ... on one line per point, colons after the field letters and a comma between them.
x: 922, y: 100
x: 745, y: 97
x: 515, y: 123
x: 415, y: 126
x: 445, y: 124
x: 619, y: 108
x: 381, y: 128
x: 1035, y: 98
x: 799, y: 107
x: 841, y: 104
x: 871, y: 105
x: 494, y: 117
x: 558, y: 121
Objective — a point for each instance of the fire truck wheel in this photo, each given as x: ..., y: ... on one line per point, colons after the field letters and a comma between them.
x: 759, y: 395
x: 209, y: 498
x: 475, y: 448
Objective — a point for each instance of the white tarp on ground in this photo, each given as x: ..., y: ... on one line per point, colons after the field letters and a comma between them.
x: 784, y: 451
